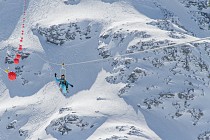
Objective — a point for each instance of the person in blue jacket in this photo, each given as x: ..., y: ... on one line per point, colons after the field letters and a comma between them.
x: 63, y: 84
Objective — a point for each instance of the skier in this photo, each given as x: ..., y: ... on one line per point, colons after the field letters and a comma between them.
x: 63, y: 84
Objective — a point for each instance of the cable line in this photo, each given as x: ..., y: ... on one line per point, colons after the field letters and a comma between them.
x: 133, y: 53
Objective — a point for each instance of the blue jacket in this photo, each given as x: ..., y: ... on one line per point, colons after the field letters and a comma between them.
x: 62, y: 81
x: 62, y: 86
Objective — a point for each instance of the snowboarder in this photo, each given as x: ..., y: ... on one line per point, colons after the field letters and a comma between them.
x: 63, y: 84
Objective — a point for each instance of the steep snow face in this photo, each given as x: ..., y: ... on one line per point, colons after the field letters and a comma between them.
x: 134, y: 97
x: 172, y: 82
x: 10, y: 13
x: 200, y: 12
x: 192, y: 15
x: 21, y: 117
x: 49, y: 115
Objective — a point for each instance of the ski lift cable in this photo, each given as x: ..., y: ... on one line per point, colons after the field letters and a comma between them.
x: 98, y: 60
x: 138, y: 52
x: 71, y: 46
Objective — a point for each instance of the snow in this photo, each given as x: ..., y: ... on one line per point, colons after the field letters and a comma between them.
x: 9, y: 15
x: 161, y: 94
x: 184, y: 17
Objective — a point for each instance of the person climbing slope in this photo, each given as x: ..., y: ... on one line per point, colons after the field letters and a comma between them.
x: 63, y: 84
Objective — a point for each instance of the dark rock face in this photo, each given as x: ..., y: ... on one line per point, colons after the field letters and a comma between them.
x: 62, y: 33
x: 12, y: 125
x: 204, y: 136
x: 126, y: 132
x: 63, y: 125
x: 71, y: 2
x: 71, y: 123
x: 23, y: 133
x: 109, y: 1
x: 9, y: 59
x: 198, y: 9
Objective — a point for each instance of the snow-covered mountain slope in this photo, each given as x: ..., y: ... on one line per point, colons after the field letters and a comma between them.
x: 144, y: 94
x: 10, y: 13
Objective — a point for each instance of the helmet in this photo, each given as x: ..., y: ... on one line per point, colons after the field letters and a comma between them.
x: 62, y: 76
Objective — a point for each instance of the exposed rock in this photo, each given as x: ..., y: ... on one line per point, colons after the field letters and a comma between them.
x: 204, y: 136
x: 62, y: 33
x: 23, y: 133
x: 12, y: 125
x: 71, y: 2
